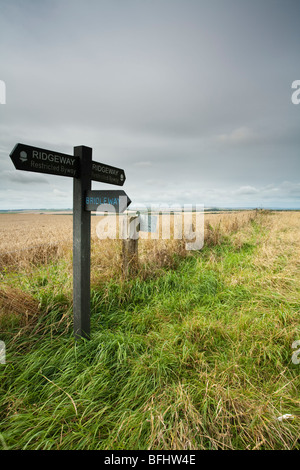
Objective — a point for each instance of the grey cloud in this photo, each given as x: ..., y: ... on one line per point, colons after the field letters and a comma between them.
x: 241, y: 135
x: 61, y: 194
x: 143, y: 164
x: 246, y: 190
x: 193, y: 95
x: 24, y: 178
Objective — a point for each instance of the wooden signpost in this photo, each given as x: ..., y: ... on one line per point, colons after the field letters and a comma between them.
x: 80, y: 167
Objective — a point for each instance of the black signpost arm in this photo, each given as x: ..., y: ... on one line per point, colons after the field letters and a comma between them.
x: 81, y: 245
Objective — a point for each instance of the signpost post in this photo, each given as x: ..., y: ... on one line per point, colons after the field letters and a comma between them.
x: 81, y: 245
x: 80, y: 167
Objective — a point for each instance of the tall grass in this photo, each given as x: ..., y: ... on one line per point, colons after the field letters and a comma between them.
x: 197, y: 356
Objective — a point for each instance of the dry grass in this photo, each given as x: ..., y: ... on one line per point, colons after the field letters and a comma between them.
x: 279, y: 255
x: 17, y: 306
x: 28, y: 240
x: 283, y: 242
x: 31, y: 239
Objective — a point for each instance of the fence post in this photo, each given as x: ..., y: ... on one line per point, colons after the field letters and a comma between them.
x: 130, y: 240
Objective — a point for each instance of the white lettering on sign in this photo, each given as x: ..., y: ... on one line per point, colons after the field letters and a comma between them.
x: 51, y: 157
x: 47, y: 167
x: 43, y: 166
x: 104, y: 169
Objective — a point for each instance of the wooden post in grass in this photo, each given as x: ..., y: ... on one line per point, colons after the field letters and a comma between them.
x: 130, y: 244
x: 83, y: 170
x: 82, y: 245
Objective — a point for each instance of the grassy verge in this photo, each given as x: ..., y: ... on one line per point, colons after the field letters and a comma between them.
x: 197, y: 357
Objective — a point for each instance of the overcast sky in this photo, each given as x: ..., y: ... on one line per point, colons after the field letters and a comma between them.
x: 192, y: 98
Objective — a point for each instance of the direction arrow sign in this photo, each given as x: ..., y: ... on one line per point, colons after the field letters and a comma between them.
x: 106, y: 201
x: 107, y: 174
x: 28, y: 158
